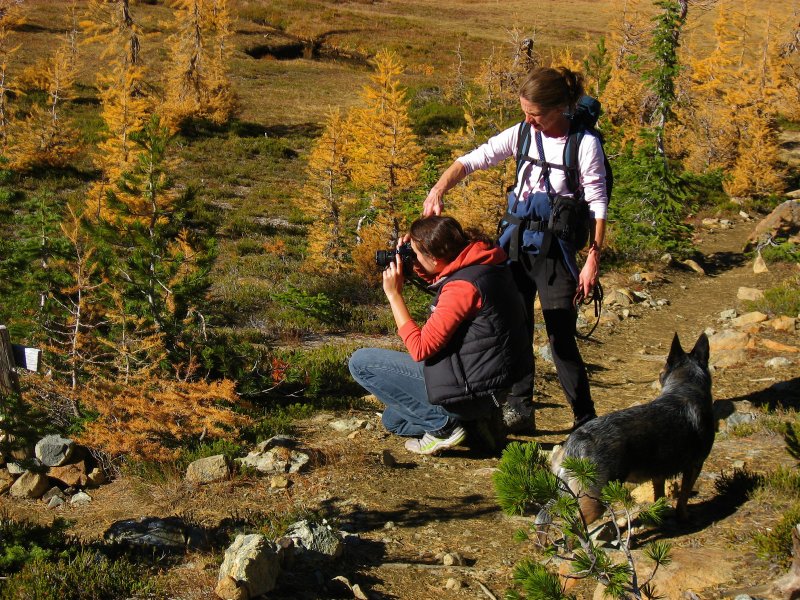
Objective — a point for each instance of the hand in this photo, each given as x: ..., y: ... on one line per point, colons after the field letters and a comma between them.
x: 393, y: 279
x: 433, y: 204
x: 589, y: 274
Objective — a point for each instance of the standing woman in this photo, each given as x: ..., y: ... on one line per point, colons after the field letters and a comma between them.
x: 462, y: 361
x: 548, y: 98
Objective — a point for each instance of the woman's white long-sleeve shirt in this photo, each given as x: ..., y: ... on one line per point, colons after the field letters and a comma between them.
x: 590, y: 161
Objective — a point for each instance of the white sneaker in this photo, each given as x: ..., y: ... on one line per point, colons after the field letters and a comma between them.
x: 429, y: 444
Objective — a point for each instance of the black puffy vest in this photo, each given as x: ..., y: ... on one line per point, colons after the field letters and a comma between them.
x: 487, y: 353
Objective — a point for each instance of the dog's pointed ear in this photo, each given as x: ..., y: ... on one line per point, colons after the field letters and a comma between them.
x: 701, y: 350
x: 675, y: 351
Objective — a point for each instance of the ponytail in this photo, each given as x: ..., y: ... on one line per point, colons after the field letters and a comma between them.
x: 552, y: 87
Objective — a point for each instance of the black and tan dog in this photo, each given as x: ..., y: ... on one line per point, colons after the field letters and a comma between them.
x: 671, y: 434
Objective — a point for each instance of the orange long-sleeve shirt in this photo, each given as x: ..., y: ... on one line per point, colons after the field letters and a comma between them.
x: 458, y: 301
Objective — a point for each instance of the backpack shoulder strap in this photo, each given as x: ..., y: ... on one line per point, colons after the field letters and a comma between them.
x: 523, y: 146
x: 571, y: 166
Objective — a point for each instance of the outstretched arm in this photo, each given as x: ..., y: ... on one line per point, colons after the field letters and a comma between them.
x: 433, y: 203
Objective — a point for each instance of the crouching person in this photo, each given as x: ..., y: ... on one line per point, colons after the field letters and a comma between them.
x: 462, y: 361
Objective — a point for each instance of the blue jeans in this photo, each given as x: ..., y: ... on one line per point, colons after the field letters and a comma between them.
x: 397, y: 381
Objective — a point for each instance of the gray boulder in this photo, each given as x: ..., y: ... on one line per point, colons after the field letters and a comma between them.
x: 54, y: 450
x: 276, y: 461
x: 29, y: 485
x: 169, y: 533
x: 250, y: 568
x: 315, y: 539
x: 209, y: 469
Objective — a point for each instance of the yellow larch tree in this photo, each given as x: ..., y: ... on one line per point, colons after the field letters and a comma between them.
x: 384, y: 158
x: 325, y: 197
x: 707, y: 132
x: 123, y: 97
x: 624, y: 98
x: 80, y: 311
x: 10, y: 18
x: 756, y: 170
x: 197, y: 84
x: 151, y: 421
x: 44, y: 137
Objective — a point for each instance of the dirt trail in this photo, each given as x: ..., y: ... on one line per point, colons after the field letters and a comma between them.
x: 415, y: 512
x: 409, y: 514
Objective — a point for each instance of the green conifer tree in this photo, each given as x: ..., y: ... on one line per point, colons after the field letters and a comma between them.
x: 158, y: 254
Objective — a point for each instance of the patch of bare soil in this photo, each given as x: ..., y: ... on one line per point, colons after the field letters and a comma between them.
x: 408, y: 515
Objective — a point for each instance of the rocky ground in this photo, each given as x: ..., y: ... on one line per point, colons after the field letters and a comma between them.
x: 430, y: 527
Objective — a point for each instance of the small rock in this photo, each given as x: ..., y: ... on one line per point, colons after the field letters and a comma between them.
x: 739, y: 418
x: 728, y: 340
x: 388, y: 525
x: 728, y: 358
x: 748, y: 293
x: 666, y: 258
x: 452, y: 558
x: 759, y: 265
x: 253, y: 564
x: 347, y: 425
x: 70, y: 474
x: 744, y: 215
x: 783, y: 323
x: 280, y: 482
x: 80, y: 499
x: 453, y: 584
x: 778, y: 347
x: 738, y: 464
x: 694, y: 266
x: 728, y: 314
x: 97, y: 477
x: 358, y: 593
x: 229, y: 589
x: 545, y: 353
x: 55, y: 502
x: 779, y: 362
x: 52, y: 493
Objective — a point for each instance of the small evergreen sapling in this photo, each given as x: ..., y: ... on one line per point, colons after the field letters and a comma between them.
x: 524, y: 482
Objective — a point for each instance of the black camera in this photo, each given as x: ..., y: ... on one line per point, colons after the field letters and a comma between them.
x: 383, y: 258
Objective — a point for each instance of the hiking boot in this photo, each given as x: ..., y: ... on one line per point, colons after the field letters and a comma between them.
x: 487, y: 433
x: 518, y: 416
x: 582, y: 420
x: 429, y: 444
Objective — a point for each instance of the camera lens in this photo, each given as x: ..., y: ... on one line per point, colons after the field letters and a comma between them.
x: 383, y: 258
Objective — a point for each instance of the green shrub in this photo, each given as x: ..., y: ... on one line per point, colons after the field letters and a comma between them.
x: 22, y: 542
x: 229, y: 448
x: 783, y: 299
x: 783, y: 481
x: 248, y: 245
x: 315, y: 373
x: 318, y: 306
x: 776, y: 543
x: 434, y: 117
x: 88, y: 575
x: 783, y: 252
